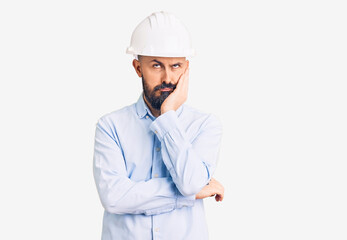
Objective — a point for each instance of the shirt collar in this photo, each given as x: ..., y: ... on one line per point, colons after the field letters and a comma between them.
x: 142, y: 108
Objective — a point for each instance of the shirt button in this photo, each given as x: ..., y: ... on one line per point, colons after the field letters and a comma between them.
x: 156, y: 131
x: 155, y: 175
x: 157, y: 229
x: 147, y: 117
x: 157, y: 149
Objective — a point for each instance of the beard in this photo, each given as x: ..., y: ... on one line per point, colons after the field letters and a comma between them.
x: 150, y: 95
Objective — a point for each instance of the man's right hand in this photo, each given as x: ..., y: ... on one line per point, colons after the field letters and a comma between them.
x: 214, y: 188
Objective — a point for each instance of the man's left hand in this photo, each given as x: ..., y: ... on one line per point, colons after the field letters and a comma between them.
x: 178, y: 96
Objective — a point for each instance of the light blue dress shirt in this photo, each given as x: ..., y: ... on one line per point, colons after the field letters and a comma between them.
x: 147, y: 171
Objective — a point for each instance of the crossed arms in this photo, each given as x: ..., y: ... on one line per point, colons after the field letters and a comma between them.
x: 190, y: 164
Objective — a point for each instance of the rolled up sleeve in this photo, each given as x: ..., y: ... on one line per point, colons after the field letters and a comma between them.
x: 191, y: 162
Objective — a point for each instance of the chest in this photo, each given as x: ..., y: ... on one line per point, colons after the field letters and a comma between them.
x: 142, y: 152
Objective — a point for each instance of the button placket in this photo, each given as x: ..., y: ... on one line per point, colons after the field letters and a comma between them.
x: 156, y: 167
x: 156, y: 228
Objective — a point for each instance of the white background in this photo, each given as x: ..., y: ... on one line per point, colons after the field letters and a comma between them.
x: 274, y: 72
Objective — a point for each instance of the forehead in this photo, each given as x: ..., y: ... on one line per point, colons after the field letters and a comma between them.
x: 164, y: 60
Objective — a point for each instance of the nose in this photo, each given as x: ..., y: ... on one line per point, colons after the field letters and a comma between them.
x: 167, y: 77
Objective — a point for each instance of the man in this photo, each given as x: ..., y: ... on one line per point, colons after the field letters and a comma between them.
x: 154, y: 160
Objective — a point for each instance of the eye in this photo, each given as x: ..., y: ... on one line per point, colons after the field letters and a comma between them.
x: 156, y: 65
x: 176, y: 65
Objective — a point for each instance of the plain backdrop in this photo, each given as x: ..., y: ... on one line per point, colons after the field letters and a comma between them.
x: 274, y: 72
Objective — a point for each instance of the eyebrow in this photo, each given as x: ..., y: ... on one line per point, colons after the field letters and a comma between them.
x: 155, y: 60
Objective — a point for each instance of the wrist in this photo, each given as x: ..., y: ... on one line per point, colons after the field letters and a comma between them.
x: 165, y: 109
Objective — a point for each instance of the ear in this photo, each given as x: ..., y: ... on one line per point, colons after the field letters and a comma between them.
x: 137, y: 67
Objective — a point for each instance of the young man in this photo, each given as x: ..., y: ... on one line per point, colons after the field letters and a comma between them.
x: 154, y: 160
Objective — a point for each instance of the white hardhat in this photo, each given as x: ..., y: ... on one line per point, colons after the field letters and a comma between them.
x: 163, y: 35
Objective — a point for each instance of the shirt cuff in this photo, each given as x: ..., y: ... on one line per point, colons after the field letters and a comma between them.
x: 164, y: 123
x: 182, y: 201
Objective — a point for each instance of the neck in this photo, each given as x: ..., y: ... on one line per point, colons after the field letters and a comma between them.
x: 155, y: 112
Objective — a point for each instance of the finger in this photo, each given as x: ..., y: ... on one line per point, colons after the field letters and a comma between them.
x: 182, y: 84
x: 180, y: 81
x: 186, y: 73
x: 187, y: 77
x: 186, y: 82
x: 183, y: 75
x: 218, y: 198
x: 222, y: 196
x: 186, y: 70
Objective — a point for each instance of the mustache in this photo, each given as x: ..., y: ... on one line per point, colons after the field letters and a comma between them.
x: 164, y: 85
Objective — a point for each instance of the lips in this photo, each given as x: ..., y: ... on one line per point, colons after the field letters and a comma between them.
x: 166, y: 89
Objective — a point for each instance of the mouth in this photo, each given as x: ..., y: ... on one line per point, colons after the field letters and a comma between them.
x: 166, y: 89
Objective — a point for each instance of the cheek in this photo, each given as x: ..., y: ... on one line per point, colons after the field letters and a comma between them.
x: 177, y: 75
x: 152, y: 78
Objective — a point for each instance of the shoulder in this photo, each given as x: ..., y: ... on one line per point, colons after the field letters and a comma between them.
x: 117, y: 116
